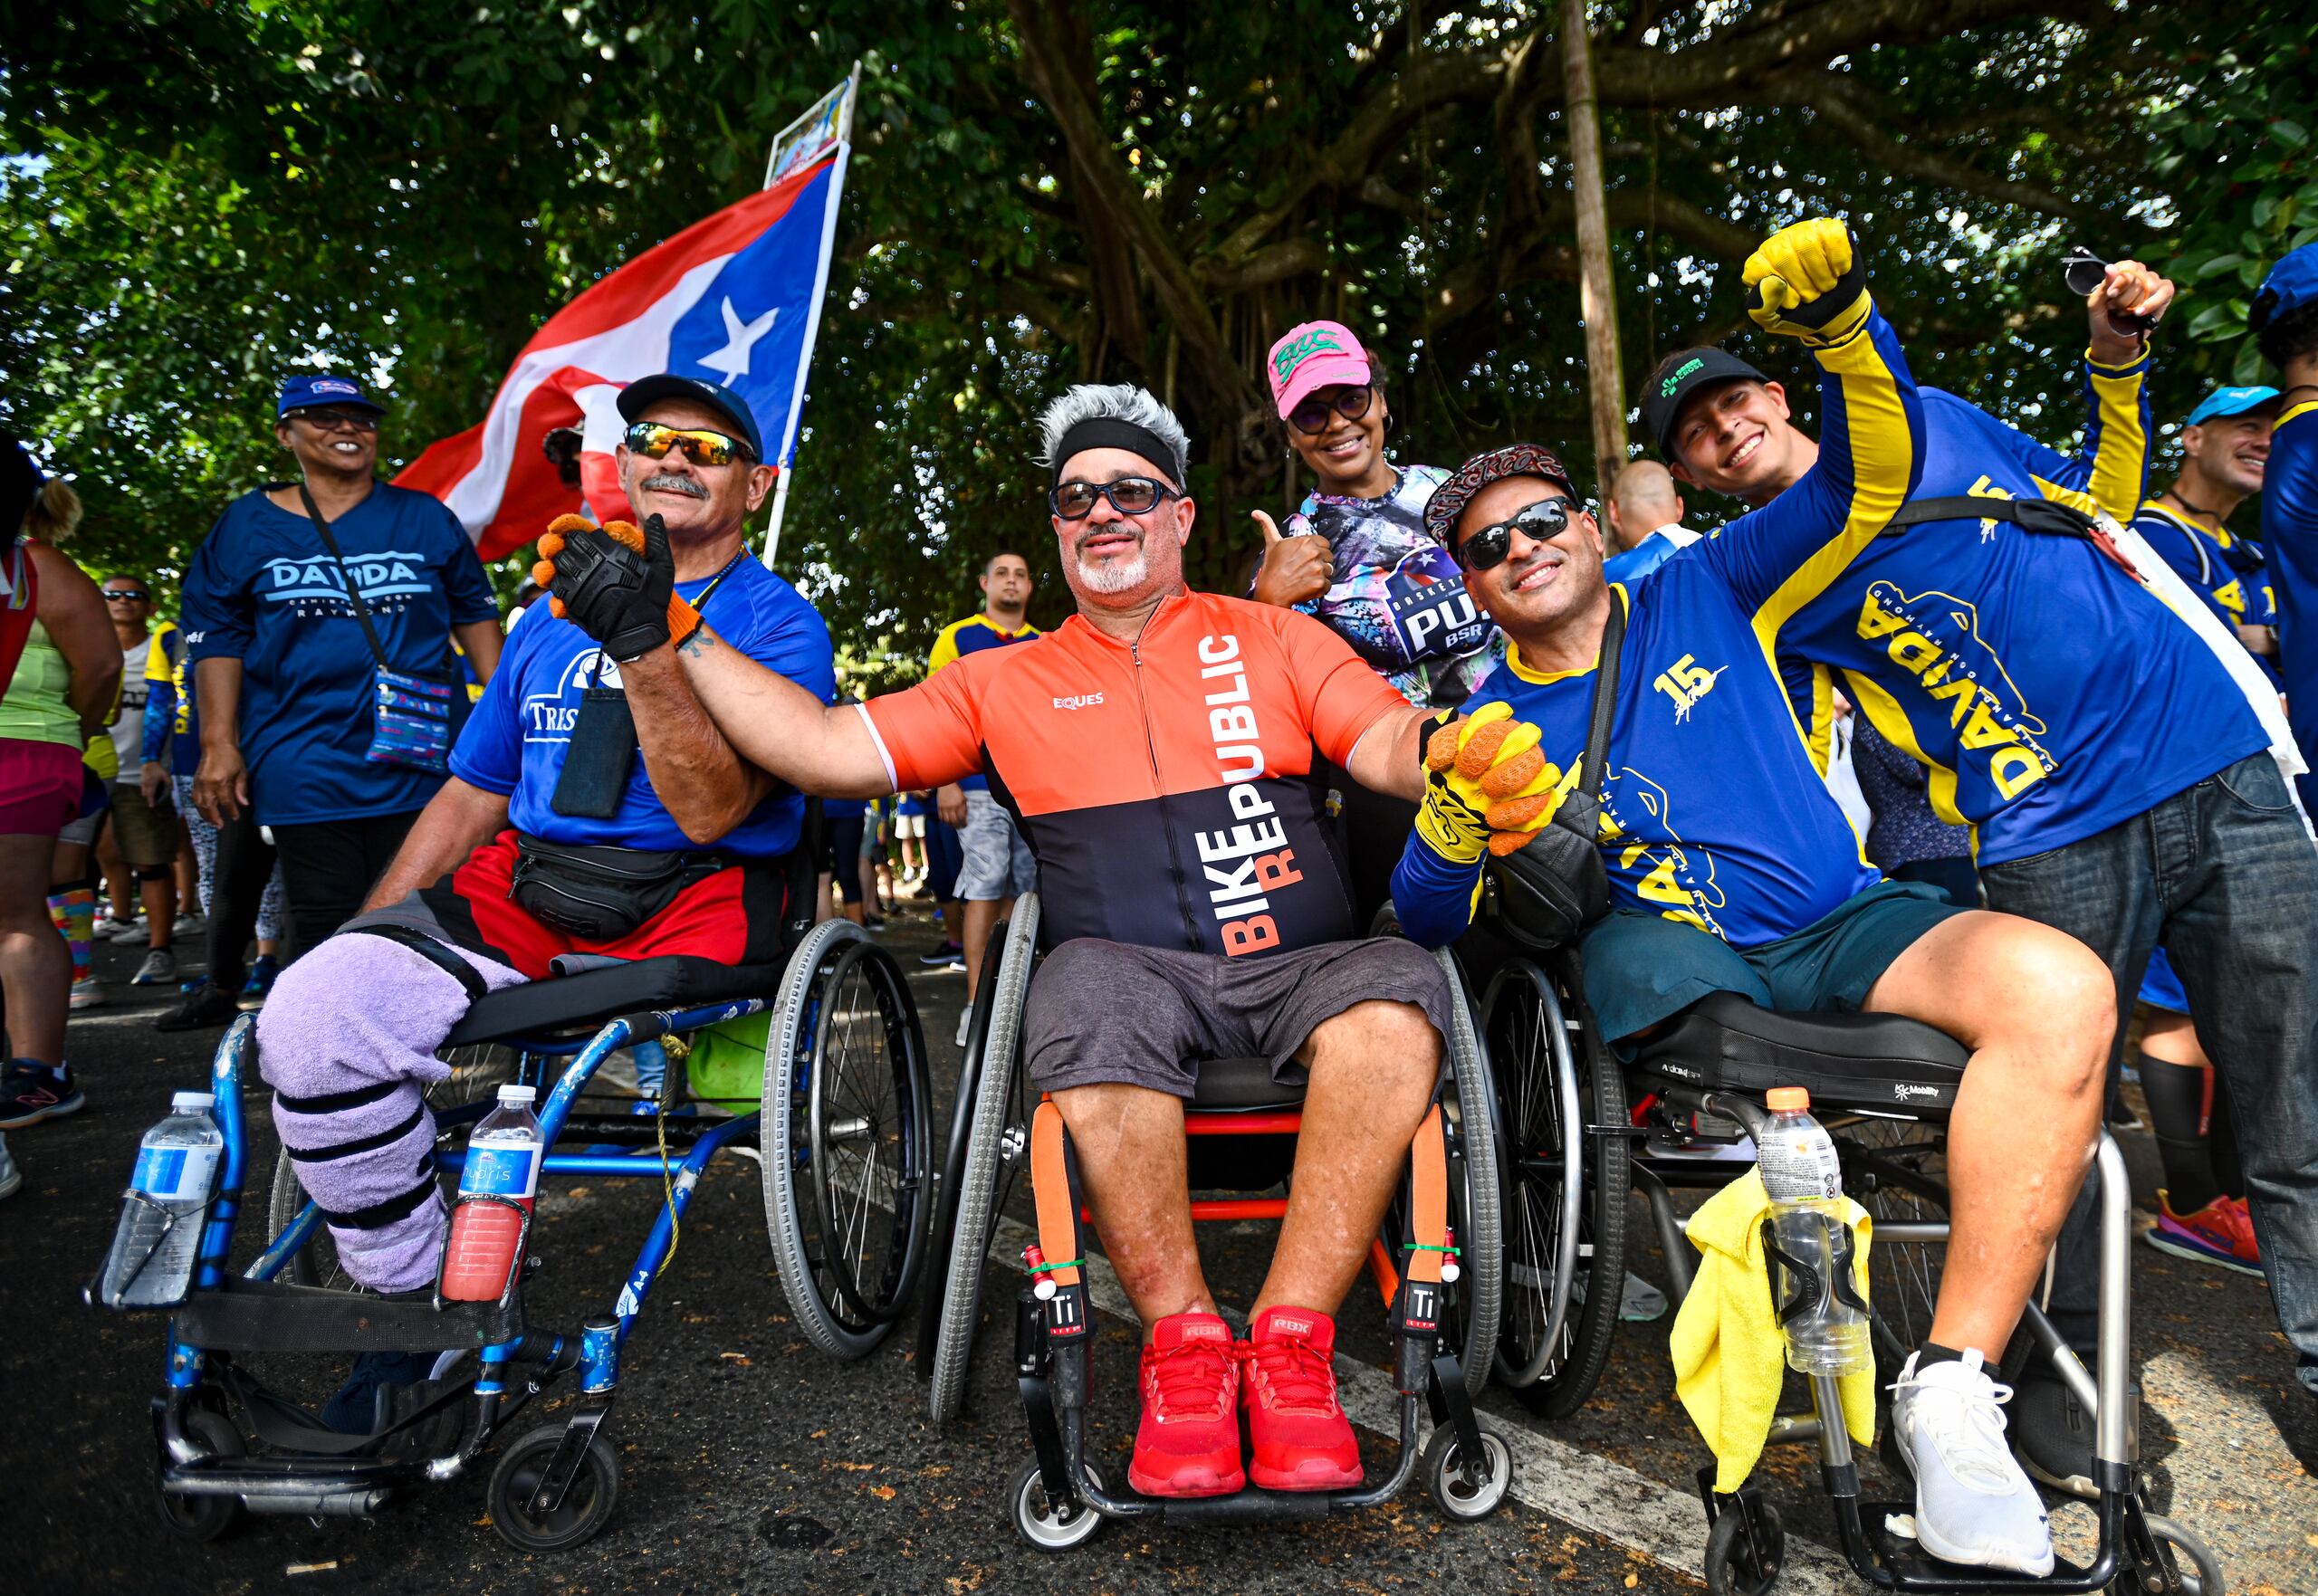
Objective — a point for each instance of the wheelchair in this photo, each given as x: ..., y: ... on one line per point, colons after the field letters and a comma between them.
x: 1583, y: 1132
x: 1436, y: 1264
x: 842, y: 1143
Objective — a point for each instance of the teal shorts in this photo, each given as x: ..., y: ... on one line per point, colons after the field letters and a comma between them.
x: 1641, y: 968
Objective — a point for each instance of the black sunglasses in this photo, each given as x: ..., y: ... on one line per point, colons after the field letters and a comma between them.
x: 326, y: 420
x: 127, y: 594
x: 1539, y: 522
x: 1130, y: 495
x: 1311, y: 417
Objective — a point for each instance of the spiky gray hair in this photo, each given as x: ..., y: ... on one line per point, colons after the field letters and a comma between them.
x: 1115, y: 401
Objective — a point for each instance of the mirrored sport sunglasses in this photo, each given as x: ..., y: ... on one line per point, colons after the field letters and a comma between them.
x: 1130, y: 495
x: 330, y: 419
x: 1311, y: 417
x: 127, y: 596
x: 1538, y: 522
x: 701, y: 446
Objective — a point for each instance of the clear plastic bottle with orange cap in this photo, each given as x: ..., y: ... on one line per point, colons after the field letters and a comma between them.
x: 1821, y: 1313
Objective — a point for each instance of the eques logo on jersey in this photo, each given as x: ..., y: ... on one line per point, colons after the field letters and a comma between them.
x: 1246, y: 862
x: 1078, y: 700
x: 1686, y: 681
x: 1935, y: 637
x: 548, y: 717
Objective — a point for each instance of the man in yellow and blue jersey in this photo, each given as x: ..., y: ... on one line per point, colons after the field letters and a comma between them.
x: 2116, y: 776
x: 994, y: 865
x: 1732, y: 868
x: 2285, y: 323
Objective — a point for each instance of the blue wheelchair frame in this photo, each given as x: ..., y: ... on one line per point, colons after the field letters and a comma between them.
x: 351, y: 1485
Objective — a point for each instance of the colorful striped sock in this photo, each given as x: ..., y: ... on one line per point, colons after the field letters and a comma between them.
x: 74, y: 910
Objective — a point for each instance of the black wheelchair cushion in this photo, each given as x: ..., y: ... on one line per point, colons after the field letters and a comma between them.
x: 1870, y: 1063
x: 676, y: 980
x: 1229, y: 1084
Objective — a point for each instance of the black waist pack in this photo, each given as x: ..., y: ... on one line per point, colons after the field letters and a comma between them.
x: 597, y: 891
x: 1547, y: 892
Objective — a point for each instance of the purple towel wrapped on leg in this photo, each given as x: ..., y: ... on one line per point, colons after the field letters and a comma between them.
x: 347, y: 1040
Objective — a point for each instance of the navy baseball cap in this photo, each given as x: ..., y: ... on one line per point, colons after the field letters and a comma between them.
x: 644, y: 391
x: 2231, y: 401
x: 1692, y: 370
x: 2292, y: 284
x: 304, y: 392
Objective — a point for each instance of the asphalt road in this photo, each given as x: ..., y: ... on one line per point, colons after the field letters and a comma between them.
x: 748, y: 1461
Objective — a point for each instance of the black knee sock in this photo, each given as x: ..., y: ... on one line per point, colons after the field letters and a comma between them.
x: 2229, y: 1172
x: 2177, y: 1106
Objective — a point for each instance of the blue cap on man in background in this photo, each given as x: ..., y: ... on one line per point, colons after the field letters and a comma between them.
x: 2230, y: 401
x: 2292, y: 284
x: 310, y: 391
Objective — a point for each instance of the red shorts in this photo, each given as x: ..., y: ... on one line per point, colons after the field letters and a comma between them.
x: 734, y: 917
x: 39, y: 786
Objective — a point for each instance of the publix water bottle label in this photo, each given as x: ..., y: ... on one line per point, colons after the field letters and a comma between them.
x: 501, y: 1171
x: 174, y: 1174
x: 1804, y: 1165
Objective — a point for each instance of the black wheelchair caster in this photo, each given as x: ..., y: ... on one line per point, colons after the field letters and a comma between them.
x: 585, y: 1508
x: 2185, y: 1566
x: 205, y: 1518
x: 1038, y: 1520
x: 1444, y: 1473
x: 1739, y: 1564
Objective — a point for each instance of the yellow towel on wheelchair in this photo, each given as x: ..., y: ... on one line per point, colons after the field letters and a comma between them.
x: 1729, y: 1359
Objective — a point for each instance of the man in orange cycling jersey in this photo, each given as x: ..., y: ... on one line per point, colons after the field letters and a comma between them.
x: 1159, y: 751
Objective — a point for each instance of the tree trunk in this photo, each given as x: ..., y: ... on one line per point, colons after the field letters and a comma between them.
x: 1596, y: 298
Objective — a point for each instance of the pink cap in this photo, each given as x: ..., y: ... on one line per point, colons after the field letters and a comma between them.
x: 1314, y: 355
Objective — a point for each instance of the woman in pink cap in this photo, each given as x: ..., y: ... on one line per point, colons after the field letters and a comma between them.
x: 1356, y: 556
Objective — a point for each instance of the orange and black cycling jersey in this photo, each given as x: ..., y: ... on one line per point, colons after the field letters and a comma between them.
x: 1167, y: 786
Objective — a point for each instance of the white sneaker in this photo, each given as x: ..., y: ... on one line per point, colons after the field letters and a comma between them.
x: 1973, y: 1504
x: 87, y: 993
x: 109, y: 930
x: 160, y: 970
x: 10, y: 1177
x: 965, y: 1020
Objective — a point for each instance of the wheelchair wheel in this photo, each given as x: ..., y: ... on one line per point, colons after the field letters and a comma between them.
x: 203, y: 1519
x: 1737, y: 1564
x: 587, y: 1506
x: 1565, y: 1227
x: 1469, y: 1321
x: 844, y: 1138
x: 2186, y: 1565
x: 1444, y: 1475
x: 1894, y: 1170
x: 1001, y: 1132
x: 1036, y: 1519
x: 935, y: 1277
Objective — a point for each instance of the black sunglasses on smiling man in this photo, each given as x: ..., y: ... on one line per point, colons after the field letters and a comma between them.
x: 1130, y: 495
x: 701, y: 446
x: 1538, y: 522
x: 1311, y: 417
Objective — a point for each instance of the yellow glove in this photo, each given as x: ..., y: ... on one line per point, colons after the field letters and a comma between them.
x: 1806, y: 282
x: 1458, y: 758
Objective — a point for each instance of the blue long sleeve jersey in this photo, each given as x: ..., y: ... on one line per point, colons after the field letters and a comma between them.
x: 1711, y: 812
x: 2231, y: 573
x: 2050, y: 694
x: 2290, y: 534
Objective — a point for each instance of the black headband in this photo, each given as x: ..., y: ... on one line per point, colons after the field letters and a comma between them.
x: 1108, y: 431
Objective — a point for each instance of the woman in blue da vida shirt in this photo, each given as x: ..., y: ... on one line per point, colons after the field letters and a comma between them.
x: 1356, y: 556
x: 282, y: 676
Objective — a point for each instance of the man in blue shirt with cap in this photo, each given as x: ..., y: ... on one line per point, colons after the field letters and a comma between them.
x: 2284, y: 320
x: 2225, y: 445
x: 283, y: 674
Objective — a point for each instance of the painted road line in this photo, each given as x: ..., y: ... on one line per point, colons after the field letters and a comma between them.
x: 1556, y: 1480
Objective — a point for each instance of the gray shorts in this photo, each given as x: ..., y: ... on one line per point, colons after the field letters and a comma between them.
x: 1103, y: 1012
x: 997, y: 863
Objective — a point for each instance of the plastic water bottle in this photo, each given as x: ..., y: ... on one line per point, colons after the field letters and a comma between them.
x: 158, y: 1240
x: 1806, y: 1182
x: 503, y: 1161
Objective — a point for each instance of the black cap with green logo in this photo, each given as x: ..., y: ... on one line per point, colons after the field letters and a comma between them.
x: 1685, y: 375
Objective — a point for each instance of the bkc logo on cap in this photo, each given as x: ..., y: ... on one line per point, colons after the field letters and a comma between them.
x: 1285, y: 361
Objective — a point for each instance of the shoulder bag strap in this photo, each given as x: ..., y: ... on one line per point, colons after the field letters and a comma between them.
x: 353, y: 593
x: 1580, y: 818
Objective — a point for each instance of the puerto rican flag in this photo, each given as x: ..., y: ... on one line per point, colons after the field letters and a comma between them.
x: 735, y: 299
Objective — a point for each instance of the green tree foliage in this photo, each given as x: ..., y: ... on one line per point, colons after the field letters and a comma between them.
x: 202, y: 197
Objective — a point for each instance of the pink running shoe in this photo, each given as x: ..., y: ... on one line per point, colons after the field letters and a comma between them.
x: 1301, y: 1439
x: 1188, y: 1443
x: 2221, y: 1233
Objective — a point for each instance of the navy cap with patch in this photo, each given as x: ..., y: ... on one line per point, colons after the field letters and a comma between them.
x: 644, y: 391
x: 1687, y: 373
x: 309, y: 392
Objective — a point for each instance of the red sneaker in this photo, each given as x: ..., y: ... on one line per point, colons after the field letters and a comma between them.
x: 1188, y: 1444
x: 2221, y: 1233
x: 1302, y: 1440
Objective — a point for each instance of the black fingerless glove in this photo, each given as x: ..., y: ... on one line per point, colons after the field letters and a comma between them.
x: 623, y: 599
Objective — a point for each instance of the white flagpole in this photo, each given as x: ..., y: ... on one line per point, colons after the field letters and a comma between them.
x: 788, y: 455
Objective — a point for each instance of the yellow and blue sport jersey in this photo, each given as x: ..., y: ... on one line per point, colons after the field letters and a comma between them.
x: 972, y: 635
x: 2231, y: 573
x: 2050, y: 694
x: 1712, y: 812
x: 2290, y: 535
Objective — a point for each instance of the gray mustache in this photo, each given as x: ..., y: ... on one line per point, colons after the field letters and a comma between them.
x: 675, y: 484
